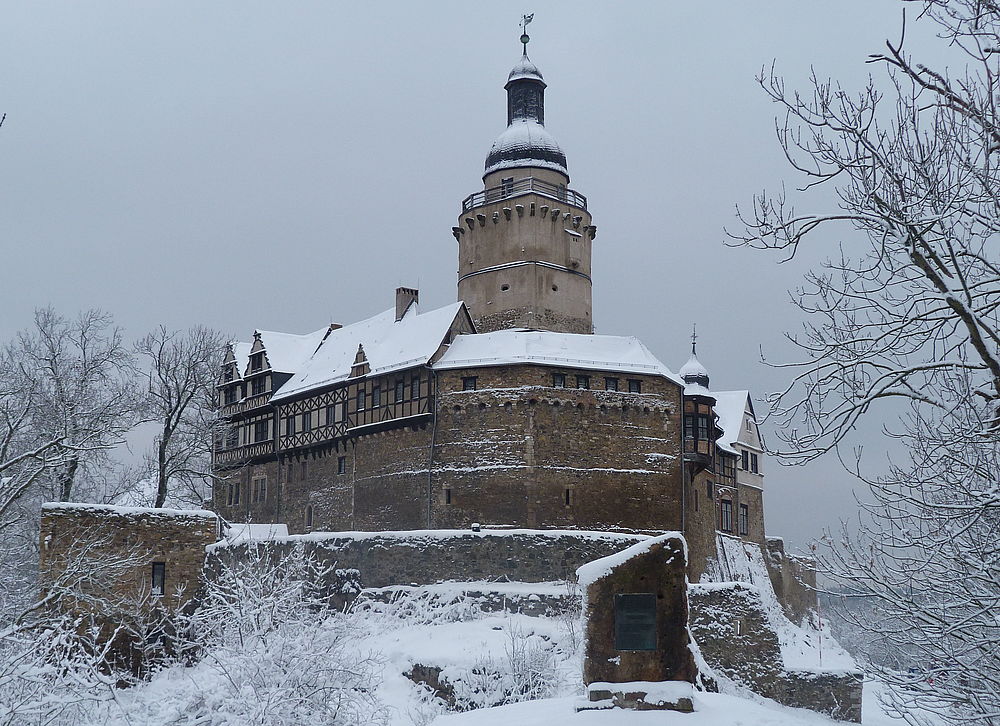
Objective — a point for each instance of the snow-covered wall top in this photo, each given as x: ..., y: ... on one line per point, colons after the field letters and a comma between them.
x: 120, y: 511
x: 625, y: 354
x: 593, y: 571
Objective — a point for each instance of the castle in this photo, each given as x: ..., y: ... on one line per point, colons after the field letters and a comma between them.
x: 504, y: 408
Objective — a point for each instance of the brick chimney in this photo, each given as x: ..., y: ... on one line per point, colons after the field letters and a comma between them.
x: 404, y: 297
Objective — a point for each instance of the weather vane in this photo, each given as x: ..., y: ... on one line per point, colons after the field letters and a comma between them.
x: 694, y: 337
x: 525, y: 19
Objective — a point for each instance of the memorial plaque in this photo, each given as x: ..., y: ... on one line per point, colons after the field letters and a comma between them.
x: 635, y: 621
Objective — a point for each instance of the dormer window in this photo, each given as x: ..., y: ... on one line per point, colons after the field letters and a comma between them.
x: 227, y: 375
x: 257, y: 362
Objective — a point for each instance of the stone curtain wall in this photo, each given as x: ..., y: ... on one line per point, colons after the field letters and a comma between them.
x: 793, y: 579
x: 115, y: 548
x: 426, y: 557
x: 730, y: 625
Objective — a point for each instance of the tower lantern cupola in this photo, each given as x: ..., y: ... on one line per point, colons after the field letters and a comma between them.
x: 525, y: 142
x: 693, y: 372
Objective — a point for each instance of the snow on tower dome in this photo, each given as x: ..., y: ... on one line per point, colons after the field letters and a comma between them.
x: 524, y: 68
x: 525, y: 143
x: 694, y: 373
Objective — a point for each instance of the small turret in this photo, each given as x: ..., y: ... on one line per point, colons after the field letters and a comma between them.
x: 693, y: 372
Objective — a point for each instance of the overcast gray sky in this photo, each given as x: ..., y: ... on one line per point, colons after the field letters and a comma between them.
x: 285, y: 165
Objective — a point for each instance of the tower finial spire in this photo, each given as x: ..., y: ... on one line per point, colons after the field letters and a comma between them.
x: 525, y: 19
x: 694, y: 337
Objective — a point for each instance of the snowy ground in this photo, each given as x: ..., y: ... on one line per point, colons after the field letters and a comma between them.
x: 488, y: 658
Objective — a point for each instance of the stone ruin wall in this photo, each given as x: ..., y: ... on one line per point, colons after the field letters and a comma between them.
x: 116, y: 547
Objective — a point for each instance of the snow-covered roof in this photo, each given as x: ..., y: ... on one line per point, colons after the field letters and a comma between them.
x: 286, y: 352
x: 693, y: 368
x: 697, y: 389
x: 730, y: 407
x: 524, y: 68
x: 525, y: 142
x: 625, y: 354
x: 388, y: 345
x: 241, y: 354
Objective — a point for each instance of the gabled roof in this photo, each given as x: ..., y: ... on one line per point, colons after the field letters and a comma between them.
x: 286, y: 352
x: 388, y: 345
x: 624, y: 354
x: 730, y: 407
x: 240, y: 356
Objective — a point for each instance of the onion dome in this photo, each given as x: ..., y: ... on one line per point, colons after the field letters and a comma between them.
x: 525, y: 142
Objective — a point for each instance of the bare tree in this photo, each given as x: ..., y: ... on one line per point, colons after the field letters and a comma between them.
x: 84, y: 390
x: 183, y: 370
x: 906, y: 312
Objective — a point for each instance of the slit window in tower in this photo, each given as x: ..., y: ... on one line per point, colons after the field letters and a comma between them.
x: 341, y: 464
x: 447, y: 496
x: 569, y: 497
x: 309, y: 516
x: 159, y: 579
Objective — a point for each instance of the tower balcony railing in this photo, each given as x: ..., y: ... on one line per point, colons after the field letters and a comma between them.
x: 528, y: 185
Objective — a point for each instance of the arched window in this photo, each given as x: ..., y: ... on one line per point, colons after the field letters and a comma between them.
x: 309, y: 516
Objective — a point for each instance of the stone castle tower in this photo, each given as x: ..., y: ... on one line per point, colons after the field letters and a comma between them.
x: 524, y: 241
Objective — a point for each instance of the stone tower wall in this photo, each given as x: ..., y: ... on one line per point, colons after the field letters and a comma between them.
x: 494, y: 237
x: 510, y: 450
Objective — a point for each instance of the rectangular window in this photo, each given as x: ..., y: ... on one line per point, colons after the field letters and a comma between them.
x: 158, y: 581
x: 634, y: 385
x: 257, y: 386
x: 754, y: 465
x: 257, y: 362
x: 583, y: 381
x: 414, y: 388
x: 291, y: 473
x: 749, y: 425
x: 341, y: 464
x: 610, y: 384
x: 709, y: 489
x: 290, y: 426
x: 689, y: 425
x: 229, y: 495
x: 260, y: 430
x: 558, y: 380
x: 469, y: 383
x: 447, y: 496
x: 507, y: 186
x: 568, y: 497
x: 307, y: 422
x: 400, y: 390
x: 702, y: 427
x: 309, y: 516
x: 331, y: 415
x: 259, y: 490
x: 744, y: 519
x: 726, y: 515
x: 230, y: 396
x: 232, y: 437
x: 236, y: 493
x: 302, y: 471
x: 746, y: 460
x: 376, y: 396
x: 696, y: 500
x: 361, y: 399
